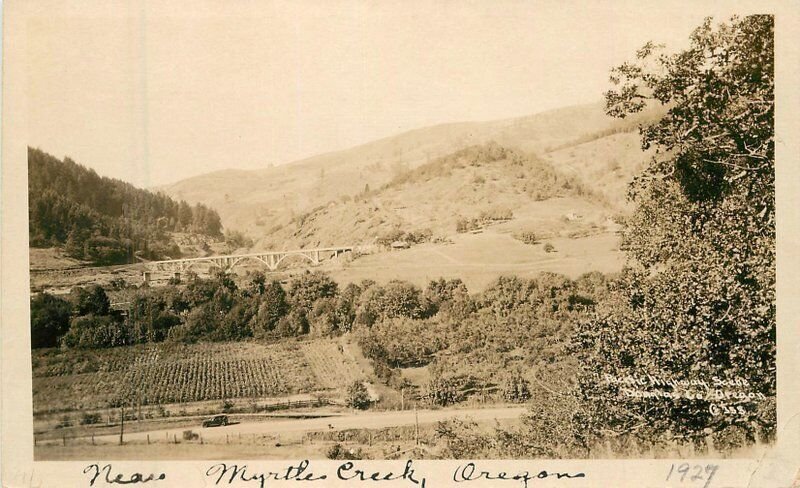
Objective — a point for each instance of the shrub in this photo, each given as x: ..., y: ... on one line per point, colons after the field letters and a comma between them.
x: 105, y: 250
x: 389, y: 237
x: 90, y: 300
x: 64, y: 421
x: 403, y: 342
x: 528, y: 237
x: 292, y: 324
x: 442, y: 391
x: 358, y: 396
x: 419, y: 236
x: 92, y: 331
x: 499, y: 213
x: 236, y: 240
x: 227, y: 406
x: 548, y: 247
x: 337, y: 451
x: 90, y: 418
x: 516, y: 389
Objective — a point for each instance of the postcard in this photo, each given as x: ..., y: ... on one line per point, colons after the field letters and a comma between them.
x: 355, y: 243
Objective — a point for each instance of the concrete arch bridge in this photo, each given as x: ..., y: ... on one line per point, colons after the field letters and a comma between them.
x: 272, y: 259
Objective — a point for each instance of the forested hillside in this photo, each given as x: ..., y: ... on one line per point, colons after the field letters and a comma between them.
x: 105, y: 220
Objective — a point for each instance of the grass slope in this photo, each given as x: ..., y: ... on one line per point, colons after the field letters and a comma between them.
x: 257, y: 201
x: 465, y: 184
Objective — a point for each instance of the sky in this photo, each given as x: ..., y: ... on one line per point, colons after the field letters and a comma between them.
x: 154, y: 92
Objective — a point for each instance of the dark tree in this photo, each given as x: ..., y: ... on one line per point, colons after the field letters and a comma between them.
x: 272, y: 307
x: 307, y: 288
x: 358, y: 396
x: 90, y: 300
x: 49, y: 320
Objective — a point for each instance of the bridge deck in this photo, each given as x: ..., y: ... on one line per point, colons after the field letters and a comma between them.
x: 256, y: 254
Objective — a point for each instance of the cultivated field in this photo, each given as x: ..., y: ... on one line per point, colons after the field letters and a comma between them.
x: 165, y: 373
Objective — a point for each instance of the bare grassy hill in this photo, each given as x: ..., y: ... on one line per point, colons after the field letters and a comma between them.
x: 488, y: 182
x: 257, y: 201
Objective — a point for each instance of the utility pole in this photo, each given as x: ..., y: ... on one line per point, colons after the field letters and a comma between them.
x: 121, y: 423
x: 416, y: 425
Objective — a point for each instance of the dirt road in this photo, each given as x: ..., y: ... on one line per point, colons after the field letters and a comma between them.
x: 358, y: 420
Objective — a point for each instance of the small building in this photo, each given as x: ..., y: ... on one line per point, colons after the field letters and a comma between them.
x: 400, y: 245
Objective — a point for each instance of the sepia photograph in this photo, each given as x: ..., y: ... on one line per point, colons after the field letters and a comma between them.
x: 361, y: 231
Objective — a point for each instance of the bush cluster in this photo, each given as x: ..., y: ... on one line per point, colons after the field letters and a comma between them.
x: 411, y: 237
x: 485, y: 218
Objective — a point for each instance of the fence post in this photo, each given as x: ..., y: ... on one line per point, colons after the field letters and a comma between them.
x: 175, y: 438
x: 92, y: 438
x: 64, y: 439
x: 148, y: 439
x: 227, y: 441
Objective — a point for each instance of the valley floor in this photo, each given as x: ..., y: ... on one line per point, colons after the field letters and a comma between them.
x: 479, y: 259
x: 274, y: 438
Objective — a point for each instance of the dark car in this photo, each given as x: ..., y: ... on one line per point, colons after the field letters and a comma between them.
x: 216, y: 421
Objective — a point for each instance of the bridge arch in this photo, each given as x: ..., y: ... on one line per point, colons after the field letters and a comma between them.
x: 240, y: 259
x: 290, y: 254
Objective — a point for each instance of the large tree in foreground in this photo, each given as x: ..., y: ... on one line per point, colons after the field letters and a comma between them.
x: 697, y: 300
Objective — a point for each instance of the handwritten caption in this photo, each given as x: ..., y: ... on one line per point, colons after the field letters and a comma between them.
x: 222, y: 474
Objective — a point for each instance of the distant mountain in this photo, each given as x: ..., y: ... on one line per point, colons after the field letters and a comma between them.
x: 104, y: 220
x: 260, y: 202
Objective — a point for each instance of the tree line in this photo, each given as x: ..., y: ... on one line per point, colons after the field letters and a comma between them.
x: 397, y: 324
x: 105, y: 220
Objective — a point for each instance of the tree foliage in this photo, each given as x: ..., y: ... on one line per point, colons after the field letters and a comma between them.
x: 698, y: 299
x: 50, y: 318
x: 358, y: 396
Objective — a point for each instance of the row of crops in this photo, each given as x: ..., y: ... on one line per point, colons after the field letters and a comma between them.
x: 330, y: 364
x: 53, y: 362
x: 160, y: 374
